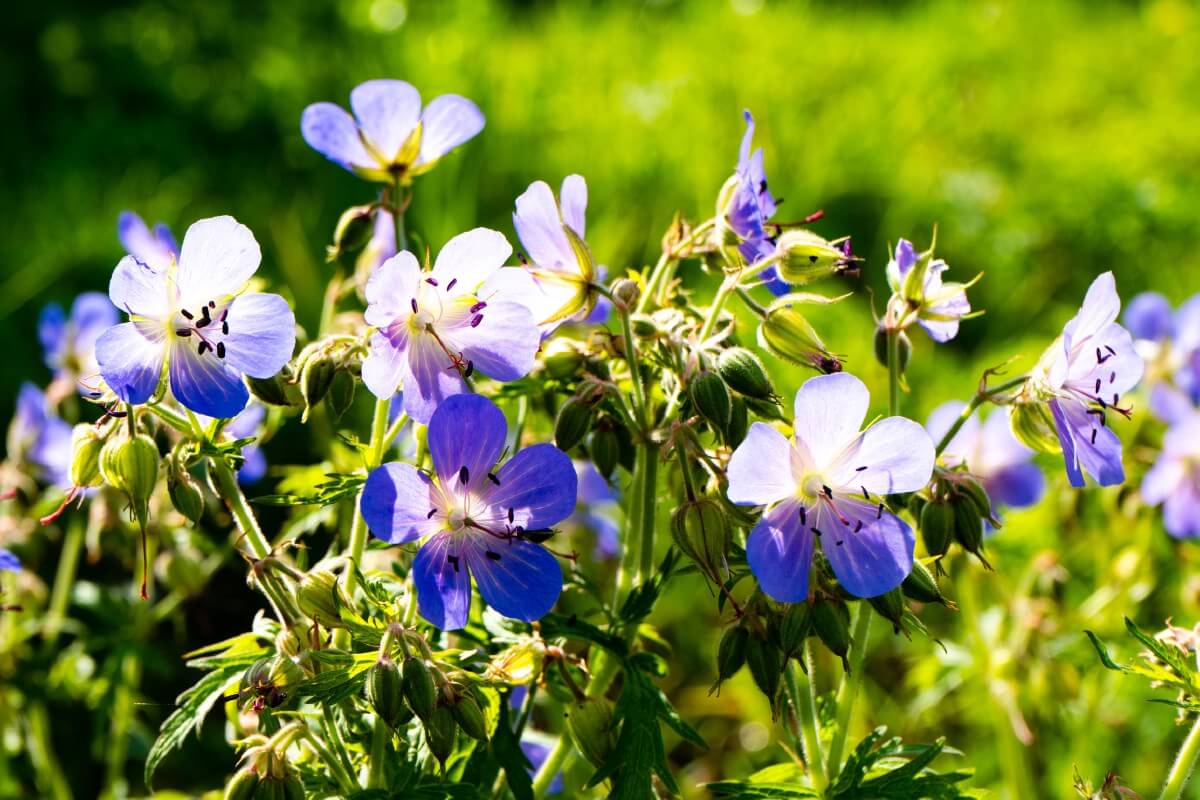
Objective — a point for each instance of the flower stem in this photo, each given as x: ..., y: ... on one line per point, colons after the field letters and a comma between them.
x: 979, y: 399
x: 64, y: 579
x: 342, y: 757
x: 728, y: 286
x: 652, y: 282
x: 806, y: 721
x: 647, y: 517
x: 344, y: 779
x: 246, y: 521
x: 1185, y: 760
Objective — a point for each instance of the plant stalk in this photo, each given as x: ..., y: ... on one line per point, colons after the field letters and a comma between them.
x: 1185, y: 761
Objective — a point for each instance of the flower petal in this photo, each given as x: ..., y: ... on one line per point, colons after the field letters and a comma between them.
x: 779, y: 550
x: 1169, y: 404
x: 427, y: 378
x: 384, y: 367
x: 333, y: 133
x: 139, y: 290
x: 1181, y: 512
x: 52, y: 330
x: 519, y: 579
x: 469, y: 259
x: 262, y: 334
x: 1016, y: 486
x: 829, y: 410
x: 204, y: 383
x: 396, y: 501
x: 467, y: 431
x: 538, y: 483
x: 764, y: 468
x: 391, y: 288
x: 961, y: 447
x: 897, y: 453
x: 574, y: 197
x: 1148, y: 316
x: 1099, y: 456
x: 1187, y: 325
x: 131, y: 359
x: 219, y: 256
x: 504, y: 343
x: 1105, y: 364
x: 145, y: 246
x: 1163, y: 479
x: 869, y: 561
x: 91, y: 315
x: 446, y: 123
x: 539, y: 225
x: 388, y: 112
x: 1099, y: 310
x: 9, y: 562
x: 443, y: 582
x: 254, y: 465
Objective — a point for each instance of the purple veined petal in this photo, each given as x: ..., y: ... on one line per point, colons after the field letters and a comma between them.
x: 519, y: 579
x: 385, y: 365
x: 829, y: 411
x: 1149, y: 316
x: 943, y: 330
x: 262, y: 334
x: 871, y: 559
x: 219, y: 256
x: 1100, y: 308
x: 52, y: 331
x: 1169, y: 404
x: 504, y: 343
x: 770, y: 279
x: 426, y: 378
x: 1093, y: 446
x: 139, y: 290
x: 905, y: 257
x: 142, y: 244
x: 396, y: 501
x: 467, y: 431
x: 1105, y: 364
x: 1181, y: 511
x: 539, y: 226
x: 545, y: 295
x: 391, y: 288
x: 779, y: 550
x: 764, y: 468
x: 333, y: 133
x: 167, y: 239
x: 131, y: 359
x: 387, y: 112
x: 9, y: 562
x: 254, y: 465
x: 446, y: 123
x: 961, y: 448
x: 538, y: 484
x: 204, y: 383
x: 1016, y: 486
x: 469, y: 259
x: 443, y: 582
x: 1066, y: 438
x: 1163, y: 479
x: 574, y: 198
x: 897, y: 453
x: 747, y: 139
x: 593, y: 488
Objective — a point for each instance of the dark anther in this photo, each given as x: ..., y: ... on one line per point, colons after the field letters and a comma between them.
x: 859, y: 469
x: 813, y: 260
x: 828, y: 492
x: 492, y: 554
x: 858, y: 526
x: 453, y: 560
x: 1100, y: 400
x: 463, y: 475
x: 1097, y: 386
x: 212, y: 304
x: 186, y: 313
x: 866, y: 494
x: 224, y: 314
x: 840, y: 542
x: 184, y: 332
x: 224, y: 327
x: 480, y: 306
x: 817, y: 532
x: 1094, y: 435
x: 414, y: 305
x: 450, y: 285
x: 510, y: 515
x: 1112, y: 377
x: 803, y: 515
x: 478, y: 319
x: 879, y: 512
x: 493, y: 478
x: 1111, y: 352
x: 1116, y: 399
x: 537, y: 536
x: 762, y: 186
x: 203, y: 346
x: 470, y: 370
x: 431, y: 281
x: 432, y: 511
x: 220, y: 349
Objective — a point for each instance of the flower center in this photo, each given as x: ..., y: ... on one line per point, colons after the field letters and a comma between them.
x: 814, y: 485
x: 205, y: 324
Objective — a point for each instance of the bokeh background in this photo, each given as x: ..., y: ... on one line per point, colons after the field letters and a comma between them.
x: 1047, y: 141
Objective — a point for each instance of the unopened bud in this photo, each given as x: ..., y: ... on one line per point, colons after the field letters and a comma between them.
x: 831, y: 623
x: 903, y: 348
x: 968, y: 526
x: 86, y: 445
x: 745, y: 373
x: 710, y: 396
x: 419, y: 689
x: 739, y: 423
x: 589, y: 724
x: 562, y: 359
x: 272, y: 391
x: 315, y: 379
x: 440, y: 728
x: 701, y: 530
x: 573, y: 422
x: 937, y: 527
x: 626, y: 292
x: 890, y: 606
x: 341, y: 393
x: 805, y: 257
x: 731, y: 653
x: 469, y: 716
x: 1034, y: 427
x: 766, y: 666
x: 920, y: 585
x: 605, y: 450
x: 353, y: 231
x: 320, y: 597
x: 130, y: 464
x: 794, y: 627
x: 383, y: 691
x: 184, y: 492
x: 786, y: 333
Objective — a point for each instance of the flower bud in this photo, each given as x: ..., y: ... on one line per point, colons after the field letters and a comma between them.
x: 131, y: 465
x: 745, y: 373
x: 315, y: 379
x: 971, y: 488
x: 243, y: 785
x: 903, y: 348
x: 731, y: 653
x: 589, y: 724
x: 185, y: 493
x: 890, y: 606
x: 831, y: 622
x: 701, y: 530
x: 1034, y: 427
x: 626, y: 292
x: 573, y: 422
x: 766, y: 667
x: 605, y: 450
x: 440, y: 728
x: 937, y: 527
x: 86, y: 445
x: 710, y: 396
x: 968, y: 526
x: 739, y: 423
x: 319, y: 597
x: 562, y: 359
x: 805, y: 257
x: 383, y: 691
x: 272, y: 391
x: 341, y: 393
x: 794, y: 627
x: 419, y: 689
x: 469, y: 716
x: 920, y: 585
x: 786, y: 333
x: 353, y: 231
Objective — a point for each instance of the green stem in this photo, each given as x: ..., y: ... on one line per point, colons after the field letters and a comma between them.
x: 551, y: 767
x: 48, y: 774
x: 648, y: 516
x: 851, y: 684
x: 806, y: 721
x: 122, y: 719
x: 335, y: 741
x: 64, y: 579
x: 398, y: 210
x: 1185, y: 760
x: 652, y: 282
x: 728, y: 286
x: 893, y: 354
x: 751, y: 303
x: 345, y: 780
x: 979, y: 399
x: 246, y: 521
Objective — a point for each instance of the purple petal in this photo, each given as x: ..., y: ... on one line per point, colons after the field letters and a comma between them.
x: 204, y: 383
x: 427, y: 379
x: 998, y: 448
x: 254, y: 465
x: 333, y: 133
x: 9, y: 562
x: 574, y: 199
x: 1187, y: 325
x: 167, y: 239
x: 385, y: 365
x: 544, y: 296
x: 387, y: 112
x: 219, y: 256
x: 593, y: 488
x: 1067, y: 440
x: 1101, y: 457
x: 869, y: 560
x: 779, y: 550
x: 960, y: 448
x: 898, y: 456
x: 537, y: 750
x: 131, y: 359
x: 1181, y: 511
x: 764, y: 468
x: 1017, y: 486
x: 91, y: 314
x: 519, y: 579
x: 829, y: 410
x: 1148, y: 316
x: 138, y: 290
x: 396, y: 501
x: 391, y: 288
x: 443, y: 582
x: 447, y: 122
x: 905, y: 257
x: 52, y: 329
x: 247, y: 423
x: 1108, y: 359
x: 469, y: 259
x: 538, y: 484
x: 262, y: 334
x: 1169, y: 404
x: 503, y: 344
x: 468, y: 431
x: 1163, y: 479
x: 539, y: 226
x: 146, y: 247
x: 1099, y: 310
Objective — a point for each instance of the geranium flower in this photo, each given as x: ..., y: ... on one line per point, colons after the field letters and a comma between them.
x: 69, y: 342
x: 37, y: 435
x: 481, y: 520
x: 193, y: 318
x: 390, y: 138
x: 751, y: 206
x: 435, y: 329
x: 1174, y: 480
x: 827, y: 484
x: 1081, y: 378
x: 1149, y: 317
x: 922, y: 295
x: 154, y: 248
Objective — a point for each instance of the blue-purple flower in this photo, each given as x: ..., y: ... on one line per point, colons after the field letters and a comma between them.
x: 1174, y: 480
x: 920, y: 294
x: 990, y: 452
x: 37, y: 435
x: 751, y: 206
x: 828, y: 484
x: 155, y: 248
x: 10, y: 563
x: 536, y: 747
x: 597, y: 509
x: 193, y: 318
x: 69, y: 342
x: 245, y: 425
x: 1080, y: 379
x: 434, y: 329
x: 390, y: 138
x: 481, y: 520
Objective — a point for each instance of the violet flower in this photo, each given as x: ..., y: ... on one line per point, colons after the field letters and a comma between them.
x: 390, y: 138
x: 37, y: 435
x: 597, y: 509
x: 245, y: 425
x: 69, y: 342
x: 827, y: 484
x: 154, y: 248
x: 919, y: 292
x: 751, y: 206
x: 435, y: 329
x: 10, y: 563
x: 1174, y: 480
x: 480, y: 520
x: 193, y: 317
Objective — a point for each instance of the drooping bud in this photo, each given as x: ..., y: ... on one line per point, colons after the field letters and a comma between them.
x: 805, y: 257
x: 184, y: 491
x: 745, y: 373
x: 937, y: 527
x: 968, y: 526
x: 316, y: 376
x: 341, y: 393
x: 573, y: 422
x: 589, y: 724
x: 626, y: 292
x: 903, y: 348
x: 731, y: 654
x: 831, y: 622
x: 794, y: 627
x: 353, y: 231
x: 383, y: 691
x: 710, y: 396
x: 319, y: 595
x: 1034, y: 427
x: 469, y: 716
x: 440, y: 730
x: 86, y: 445
x: 766, y: 667
x: 701, y: 530
x: 243, y: 785
x: 920, y: 585
x: 786, y: 333
x: 130, y: 464
x: 739, y: 423
x: 562, y: 359
x: 274, y: 391
x: 890, y: 606
x: 605, y: 449
x: 419, y: 689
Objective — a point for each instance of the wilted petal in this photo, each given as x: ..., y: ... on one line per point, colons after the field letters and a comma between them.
x: 139, y: 290
x: 219, y: 256
x: 538, y: 483
x: 131, y: 359
x: 871, y: 553
x: 467, y: 431
x: 897, y: 453
x: 387, y: 111
x: 204, y: 383
x: 1148, y: 316
x: 829, y: 410
x: 504, y: 343
x: 443, y: 582
x: 519, y: 579
x: 396, y: 501
x: 779, y: 550
x: 333, y: 133
x: 764, y: 468
x: 446, y: 123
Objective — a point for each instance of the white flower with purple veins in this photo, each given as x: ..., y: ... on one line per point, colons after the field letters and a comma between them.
x: 1081, y: 377
x: 69, y: 342
x: 827, y: 484
x: 1174, y: 480
x: 435, y: 329
x: 919, y: 293
x: 390, y: 138
x: 192, y: 317
x: 155, y: 248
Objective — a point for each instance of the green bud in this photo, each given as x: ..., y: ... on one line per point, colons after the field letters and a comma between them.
x: 185, y: 493
x: 353, y: 231
x: 573, y: 422
x: 903, y: 348
x: 831, y: 622
x: 440, y: 728
x: 937, y: 527
x: 86, y: 445
x: 589, y: 724
x: 1034, y: 427
x: 626, y: 292
x: 739, y: 423
x: 745, y: 373
x: 383, y: 691
x: 469, y: 716
x: 731, y: 653
x: 972, y: 489
x: 710, y: 396
x: 243, y: 785
x: 766, y: 667
x: 562, y: 359
x: 968, y: 526
x: 341, y: 393
x: 920, y: 585
x: 131, y: 465
x: 807, y: 257
x: 315, y: 379
x: 419, y: 689
x: 271, y: 391
x: 890, y: 606
x: 701, y: 530
x: 317, y: 595
x: 794, y: 627
x: 786, y: 333
x: 605, y: 449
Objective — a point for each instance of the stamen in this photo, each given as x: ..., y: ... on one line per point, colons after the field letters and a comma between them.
x: 225, y: 327
x: 866, y: 494
x: 859, y: 469
x: 450, y: 285
x: 183, y: 332
x: 494, y: 556
x: 431, y: 281
x: 453, y: 561
x: 432, y: 511
x: 212, y: 304
x: 840, y: 542
x: 480, y: 306
x: 1112, y: 377
x: 224, y: 314
x: 1094, y: 435
x: 817, y: 532
x: 203, y: 346
x: 803, y: 515
x: 493, y: 478
x: 470, y: 369
x: 478, y: 319
x: 1111, y: 352
x: 414, y: 304
x: 828, y: 492
x: 463, y: 475
x: 220, y: 349
x: 858, y: 526
x: 1097, y: 391
x: 1116, y: 399
x: 187, y: 314
x: 879, y: 512
x: 510, y: 516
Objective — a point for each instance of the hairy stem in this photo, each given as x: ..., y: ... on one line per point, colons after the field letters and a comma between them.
x: 1185, y: 760
x: 806, y: 720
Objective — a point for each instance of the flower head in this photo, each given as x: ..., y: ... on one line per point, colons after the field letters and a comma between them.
x: 9, y: 562
x: 482, y: 521
x: 919, y: 293
x: 390, y: 138
x: 1081, y: 378
x: 40, y: 437
x: 435, y: 329
x: 1174, y: 480
x: 827, y: 484
x: 154, y: 248
x: 192, y: 317
x: 751, y: 206
x: 69, y: 342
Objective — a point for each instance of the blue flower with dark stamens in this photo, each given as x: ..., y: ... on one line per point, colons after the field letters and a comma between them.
x: 481, y: 520
x: 828, y: 484
x: 155, y: 248
x: 752, y: 205
x: 37, y: 435
x: 69, y: 342
x: 193, y: 318
x: 1174, y: 480
x: 390, y: 137
x: 434, y: 329
x: 10, y: 563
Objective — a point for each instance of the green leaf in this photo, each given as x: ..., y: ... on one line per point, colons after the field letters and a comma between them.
x: 193, y: 706
x: 506, y: 749
x: 556, y: 625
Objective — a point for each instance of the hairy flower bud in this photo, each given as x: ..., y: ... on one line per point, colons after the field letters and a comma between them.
x: 341, y: 393
x: 353, y: 231
x: 273, y: 391
x: 937, y: 527
x: 794, y: 626
x: 605, y: 449
x: 745, y: 373
x: 805, y: 257
x: 626, y: 292
x: 419, y: 689
x: 130, y: 464
x: 739, y: 423
x: 701, y: 530
x: 440, y: 730
x: 383, y: 691
x: 184, y: 492
x: 469, y: 716
x: 731, y: 653
x: 920, y: 585
x: 968, y: 526
x: 831, y: 622
x: 890, y: 606
x: 710, y: 396
x: 766, y: 666
x: 903, y: 348
x: 589, y: 724
x: 316, y: 377
x: 573, y: 422
x: 786, y: 333
x: 562, y: 359
x: 86, y: 445
x: 319, y: 596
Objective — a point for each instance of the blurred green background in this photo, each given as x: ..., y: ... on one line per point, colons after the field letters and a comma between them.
x: 1048, y: 142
